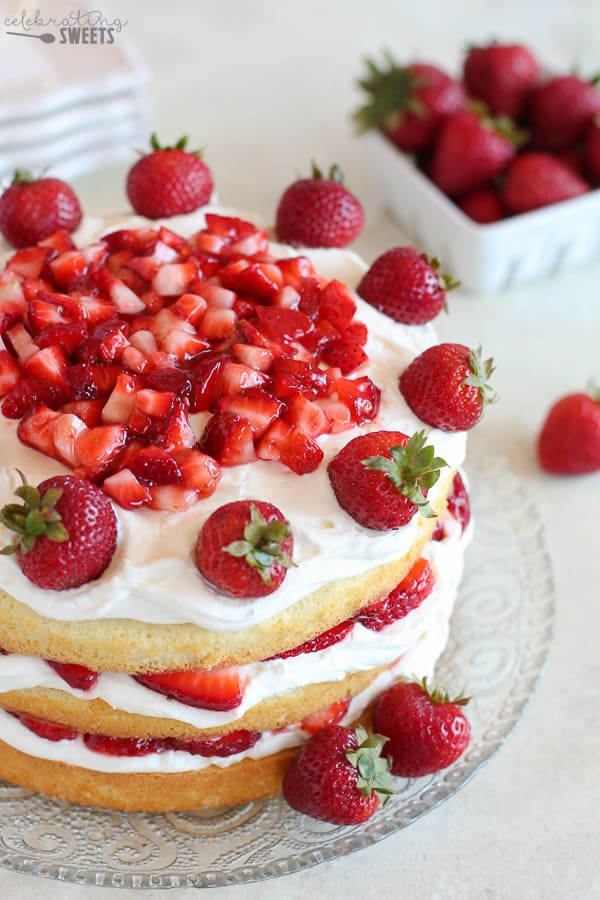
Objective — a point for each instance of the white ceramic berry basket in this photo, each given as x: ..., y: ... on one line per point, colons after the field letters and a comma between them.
x: 485, y: 258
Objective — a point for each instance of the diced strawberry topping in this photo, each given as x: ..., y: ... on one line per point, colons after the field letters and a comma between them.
x: 10, y: 372
x: 126, y: 490
x: 228, y: 438
x: 155, y: 466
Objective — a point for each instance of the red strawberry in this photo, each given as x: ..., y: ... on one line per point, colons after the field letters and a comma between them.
x: 223, y: 745
x: 459, y: 506
x: 409, y: 102
x: 561, y: 110
x: 501, y: 75
x: 406, y: 286
x: 169, y: 181
x: 79, y: 677
x: 381, y: 478
x: 122, y: 746
x: 592, y: 150
x: 339, y: 776
x: 319, y: 212
x: 406, y: 596
x: 483, y: 205
x: 245, y: 548
x: 331, y: 715
x: 445, y: 386
x: 51, y: 731
x: 320, y: 642
x: 217, y: 689
x: 427, y: 731
x: 469, y: 151
x: 67, y: 532
x: 569, y: 441
x: 346, y: 355
x: 534, y: 180
x: 33, y: 209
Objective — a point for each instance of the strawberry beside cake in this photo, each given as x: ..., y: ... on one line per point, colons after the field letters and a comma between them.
x: 284, y: 534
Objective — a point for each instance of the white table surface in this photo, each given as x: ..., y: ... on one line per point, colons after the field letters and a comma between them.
x: 264, y: 87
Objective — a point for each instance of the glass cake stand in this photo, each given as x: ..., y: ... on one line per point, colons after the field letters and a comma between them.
x: 501, y: 630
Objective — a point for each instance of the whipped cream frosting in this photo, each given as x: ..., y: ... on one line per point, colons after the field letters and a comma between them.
x: 152, y: 577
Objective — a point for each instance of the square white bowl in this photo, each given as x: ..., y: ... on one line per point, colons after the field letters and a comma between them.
x: 484, y: 258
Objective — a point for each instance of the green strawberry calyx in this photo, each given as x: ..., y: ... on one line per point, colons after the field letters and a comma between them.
x: 36, y: 517
x: 391, y: 93
x: 503, y: 125
x: 261, y: 546
x: 413, y: 469
x: 181, y: 144
x: 440, y: 695
x: 481, y: 370
x: 334, y: 174
x: 446, y: 282
x: 373, y: 769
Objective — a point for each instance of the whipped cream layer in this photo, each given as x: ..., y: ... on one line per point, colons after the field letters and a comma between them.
x: 152, y: 577
x: 363, y: 649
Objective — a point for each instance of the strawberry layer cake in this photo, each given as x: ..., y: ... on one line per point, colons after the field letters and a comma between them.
x: 189, y: 374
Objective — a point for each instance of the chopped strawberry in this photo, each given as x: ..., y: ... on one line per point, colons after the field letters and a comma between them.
x: 337, y: 304
x: 258, y: 407
x: 51, y: 731
x: 175, y: 381
x: 121, y: 402
x: 199, y: 471
x: 361, y: 396
x: 65, y: 431
x: 229, y: 439
x: 177, y: 433
x: 287, y: 298
x: 141, y: 240
x: 29, y: 262
x: 34, y: 429
x: 143, y: 340
x: 224, y: 745
x: 28, y: 393
x: 157, y: 404
x: 307, y: 416
x: 215, y: 295
x: 69, y: 336
x: 301, y: 453
x: 356, y: 331
x: 253, y: 245
x: 217, y: 323
x: 255, y: 357
x: 406, y: 596
x: 90, y: 380
x: 69, y: 269
x: 173, y: 279
x: 283, y: 324
x: 183, y: 345
x: 134, y: 360
x: 21, y: 342
x: 10, y: 372
x: 217, y: 689
x: 272, y: 444
x: 295, y: 269
x: 238, y: 377
x: 100, y: 447
x: 310, y: 297
x: 331, y: 715
x: 172, y: 497
x: 345, y: 354
x: 260, y: 280
x: 60, y: 241
x: 292, y: 376
x: 339, y: 417
x: 320, y: 337
x: 47, y: 365
x: 229, y: 226
x: 79, y: 677
x: 190, y: 307
x: 89, y: 411
x: 154, y: 465
x: 93, y: 309
x: 126, y: 490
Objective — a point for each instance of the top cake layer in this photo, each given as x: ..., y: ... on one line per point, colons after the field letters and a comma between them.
x: 153, y: 579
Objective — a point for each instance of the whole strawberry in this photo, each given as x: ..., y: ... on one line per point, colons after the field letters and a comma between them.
x: 501, y: 75
x: 483, y: 205
x: 534, y: 180
x: 569, y: 441
x: 427, y: 731
x: 32, y: 209
x: 381, y: 478
x: 592, y: 150
x: 561, y: 110
x: 319, y: 212
x: 245, y: 548
x: 445, y: 386
x: 339, y: 776
x: 67, y: 532
x: 406, y: 285
x: 470, y: 150
x: 169, y: 181
x: 408, y: 103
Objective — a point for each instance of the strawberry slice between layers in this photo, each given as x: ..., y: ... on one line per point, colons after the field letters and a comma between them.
x: 215, y: 689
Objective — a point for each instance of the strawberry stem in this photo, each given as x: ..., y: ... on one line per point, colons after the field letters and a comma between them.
x: 481, y: 370
x: 373, y: 769
x: 391, y: 95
